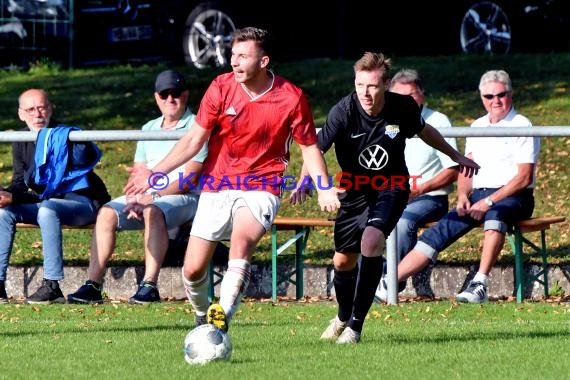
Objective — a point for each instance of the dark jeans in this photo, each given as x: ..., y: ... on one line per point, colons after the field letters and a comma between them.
x: 451, y: 227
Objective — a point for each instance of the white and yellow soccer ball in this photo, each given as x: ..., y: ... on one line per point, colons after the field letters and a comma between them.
x: 207, y: 343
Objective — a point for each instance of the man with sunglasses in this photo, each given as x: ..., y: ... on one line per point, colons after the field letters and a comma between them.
x: 51, y: 199
x: 498, y: 196
x: 159, y: 211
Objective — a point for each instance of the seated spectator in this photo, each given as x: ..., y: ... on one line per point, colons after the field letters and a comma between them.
x: 433, y: 173
x: 498, y: 196
x: 158, y: 211
x: 53, y: 184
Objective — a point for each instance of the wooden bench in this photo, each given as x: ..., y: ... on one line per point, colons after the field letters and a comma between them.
x: 303, y: 226
x: 85, y: 227
x: 518, y: 242
x: 515, y: 236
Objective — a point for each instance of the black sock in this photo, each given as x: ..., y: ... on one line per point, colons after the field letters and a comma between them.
x: 369, y: 276
x: 53, y: 284
x: 344, y: 285
x: 96, y: 284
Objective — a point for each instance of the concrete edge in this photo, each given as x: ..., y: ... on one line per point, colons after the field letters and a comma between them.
x: 442, y: 281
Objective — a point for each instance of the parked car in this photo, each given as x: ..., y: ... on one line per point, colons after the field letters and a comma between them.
x: 90, y: 32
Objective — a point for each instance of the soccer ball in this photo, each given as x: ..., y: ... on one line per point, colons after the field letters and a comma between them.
x: 207, y: 343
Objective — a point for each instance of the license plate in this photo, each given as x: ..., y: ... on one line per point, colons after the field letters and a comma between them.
x: 130, y: 33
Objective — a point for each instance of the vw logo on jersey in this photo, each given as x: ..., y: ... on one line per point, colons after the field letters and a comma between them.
x: 392, y: 130
x: 373, y: 157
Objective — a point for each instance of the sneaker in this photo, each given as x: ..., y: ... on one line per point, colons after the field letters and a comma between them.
x: 48, y: 292
x: 146, y: 293
x: 90, y: 293
x: 217, y: 316
x: 3, y: 295
x: 348, y: 336
x: 476, y: 292
x: 335, y: 329
x: 201, y: 320
x: 381, y: 295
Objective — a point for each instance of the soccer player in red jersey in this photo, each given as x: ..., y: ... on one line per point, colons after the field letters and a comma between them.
x: 249, y: 117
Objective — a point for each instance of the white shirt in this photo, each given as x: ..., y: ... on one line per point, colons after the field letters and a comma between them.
x: 499, y: 156
x: 423, y: 160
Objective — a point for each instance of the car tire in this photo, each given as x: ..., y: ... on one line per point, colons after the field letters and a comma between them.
x: 485, y: 29
x: 207, y: 36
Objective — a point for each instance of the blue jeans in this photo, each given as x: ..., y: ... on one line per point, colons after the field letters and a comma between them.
x: 419, y: 211
x: 451, y: 227
x: 49, y: 215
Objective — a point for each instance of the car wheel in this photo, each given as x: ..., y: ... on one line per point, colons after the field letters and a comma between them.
x: 207, y: 37
x: 485, y: 28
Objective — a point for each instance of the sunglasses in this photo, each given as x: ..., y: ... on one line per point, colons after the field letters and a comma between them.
x: 174, y: 93
x: 500, y: 95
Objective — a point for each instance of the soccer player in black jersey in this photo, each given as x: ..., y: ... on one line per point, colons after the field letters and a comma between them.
x: 369, y: 128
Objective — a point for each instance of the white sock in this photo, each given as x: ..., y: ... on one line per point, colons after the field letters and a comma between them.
x: 234, y: 285
x: 197, y: 293
x: 480, y: 277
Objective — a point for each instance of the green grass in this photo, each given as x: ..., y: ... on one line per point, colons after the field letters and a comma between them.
x: 434, y: 340
x: 120, y: 97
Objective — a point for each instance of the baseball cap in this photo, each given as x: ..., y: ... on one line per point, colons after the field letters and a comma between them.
x: 170, y: 80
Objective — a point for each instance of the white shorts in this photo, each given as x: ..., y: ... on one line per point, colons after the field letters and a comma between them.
x: 215, y: 215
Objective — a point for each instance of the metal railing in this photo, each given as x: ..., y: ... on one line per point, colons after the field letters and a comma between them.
x: 132, y: 135
x: 391, y: 249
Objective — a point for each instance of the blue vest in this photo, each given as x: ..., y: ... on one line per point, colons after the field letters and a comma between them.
x: 62, y: 165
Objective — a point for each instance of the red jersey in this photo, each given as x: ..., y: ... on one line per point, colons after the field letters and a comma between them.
x: 249, y: 147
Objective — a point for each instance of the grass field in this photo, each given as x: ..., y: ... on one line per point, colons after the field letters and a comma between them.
x: 120, y: 97
x: 434, y: 340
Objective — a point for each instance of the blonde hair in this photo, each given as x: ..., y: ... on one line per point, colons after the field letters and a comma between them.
x: 374, y: 61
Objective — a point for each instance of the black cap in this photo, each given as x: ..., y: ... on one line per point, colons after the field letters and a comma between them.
x: 170, y: 80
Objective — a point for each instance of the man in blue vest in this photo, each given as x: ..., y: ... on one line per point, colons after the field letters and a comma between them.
x: 32, y: 197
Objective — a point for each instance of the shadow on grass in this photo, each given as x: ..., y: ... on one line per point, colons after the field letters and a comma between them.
x: 493, y: 336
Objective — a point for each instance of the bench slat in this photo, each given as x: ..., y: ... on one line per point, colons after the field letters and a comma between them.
x: 528, y: 225
x: 539, y: 224
x: 286, y: 223
x: 304, y: 224
x: 65, y: 227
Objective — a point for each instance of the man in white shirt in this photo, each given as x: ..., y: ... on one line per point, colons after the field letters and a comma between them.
x: 498, y: 196
x: 432, y: 174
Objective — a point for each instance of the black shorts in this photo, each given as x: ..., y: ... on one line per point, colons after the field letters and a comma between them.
x: 359, y: 209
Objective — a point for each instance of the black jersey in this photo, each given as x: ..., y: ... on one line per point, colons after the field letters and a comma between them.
x: 371, y: 145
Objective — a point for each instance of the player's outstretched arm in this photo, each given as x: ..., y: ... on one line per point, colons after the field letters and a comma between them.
x: 433, y: 138
x: 303, y: 189
x: 142, y: 179
x: 316, y: 167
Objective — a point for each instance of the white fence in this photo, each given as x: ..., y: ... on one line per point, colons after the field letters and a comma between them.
x: 125, y: 135
x: 129, y: 135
